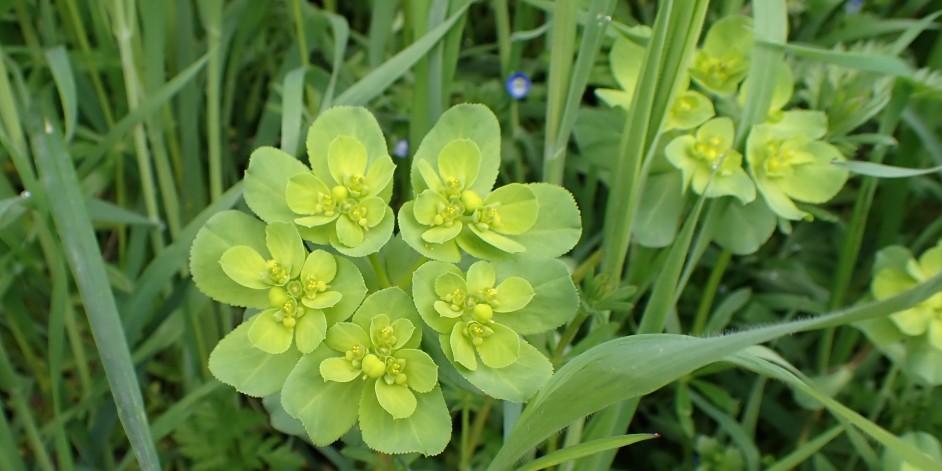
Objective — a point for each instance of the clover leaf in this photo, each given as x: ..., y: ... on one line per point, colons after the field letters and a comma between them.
x: 371, y: 369
x: 709, y: 155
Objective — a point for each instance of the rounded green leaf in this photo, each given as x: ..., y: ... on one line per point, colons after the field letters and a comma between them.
x: 252, y: 372
x: 223, y: 231
x: 344, y: 336
x: 328, y: 409
x: 889, y: 282
x: 412, y: 230
x: 501, y: 348
x: 626, y: 59
x: 266, y: 180
x: 662, y: 203
x: 481, y: 275
x: 320, y: 265
x: 742, y: 229
x: 424, y: 283
x: 379, y: 178
x: 394, y: 303
x: 427, y: 205
x: 352, y: 121
x: 421, y: 370
x: 349, y: 283
x: 373, y: 239
x: 613, y: 97
x: 500, y: 242
x: 403, y: 330
x: 448, y: 283
x: 396, y: 399
x: 513, y: 294
x: 302, y: 194
x: 269, y: 334
x: 442, y: 234
x: 426, y: 431
x: 474, y: 122
x: 689, y: 110
x: 816, y: 182
x: 349, y: 233
x: 246, y: 267
x: 375, y: 210
x: 729, y: 33
x: 554, y: 296
x: 517, y: 382
x: 339, y: 369
x: 322, y: 300
x: 558, y: 226
x: 915, y: 320
x: 346, y: 158
x: 285, y: 246
x: 310, y: 330
x: 460, y: 159
x: 517, y: 206
x: 461, y: 348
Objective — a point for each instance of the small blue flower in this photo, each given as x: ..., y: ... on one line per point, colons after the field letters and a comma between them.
x: 401, y: 148
x: 518, y: 85
x: 853, y: 6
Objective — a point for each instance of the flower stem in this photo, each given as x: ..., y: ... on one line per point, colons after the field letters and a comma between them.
x: 380, y: 270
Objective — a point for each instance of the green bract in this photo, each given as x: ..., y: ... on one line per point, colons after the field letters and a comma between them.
x: 789, y: 163
x: 455, y: 209
x: 479, y: 316
x: 912, y: 337
x: 723, y: 61
x: 707, y: 154
x: 371, y: 369
x: 343, y: 199
x: 239, y: 260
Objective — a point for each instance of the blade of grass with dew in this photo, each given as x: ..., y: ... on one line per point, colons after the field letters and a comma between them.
x: 58, y: 61
x: 380, y: 78
x: 765, y: 362
x: 585, y: 449
x: 84, y: 258
x: 601, y: 376
x: 554, y: 156
x: 873, y: 169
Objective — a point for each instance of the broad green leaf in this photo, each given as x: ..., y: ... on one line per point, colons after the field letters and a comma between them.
x: 395, y: 399
x: 349, y: 282
x: 460, y: 159
x: 328, y: 409
x: 339, y: 369
x: 319, y: 265
x: 426, y: 431
x: 285, y: 246
x: 266, y: 180
x: 349, y: 234
x: 424, y: 282
x: 458, y: 347
x: 606, y: 374
x: 344, y: 336
x: 396, y: 304
x: 626, y: 59
x: 223, y: 231
x: 474, y: 122
x: 558, y: 226
x: 310, y: 330
x: 269, y: 334
x: 662, y: 203
x: 420, y: 369
x: 246, y: 267
x: 251, y: 371
x: 373, y: 240
x: 354, y: 122
x: 742, y: 229
x: 922, y: 441
x: 517, y: 206
x: 480, y: 276
x: 501, y: 348
x: 513, y: 294
x: 412, y: 230
x: 555, y: 299
x: 302, y: 193
x: 346, y: 158
x: 517, y: 382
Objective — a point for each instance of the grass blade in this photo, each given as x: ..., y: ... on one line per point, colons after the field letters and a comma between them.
x: 586, y: 449
x: 84, y: 257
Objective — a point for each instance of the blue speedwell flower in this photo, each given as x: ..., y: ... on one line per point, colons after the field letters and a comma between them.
x: 518, y: 85
x: 401, y: 149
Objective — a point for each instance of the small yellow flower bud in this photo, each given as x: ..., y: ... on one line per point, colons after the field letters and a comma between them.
x: 339, y: 193
x: 471, y: 201
x: 482, y: 313
x: 373, y: 366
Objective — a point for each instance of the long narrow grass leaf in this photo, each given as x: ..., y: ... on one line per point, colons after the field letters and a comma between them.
x: 585, y: 449
x: 84, y: 257
x: 58, y: 61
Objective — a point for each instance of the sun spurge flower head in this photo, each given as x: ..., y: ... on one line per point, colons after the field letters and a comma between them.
x: 455, y: 208
x: 371, y: 370
x: 788, y: 162
x: 342, y: 200
x: 723, y: 61
x: 689, y: 109
x: 709, y: 153
x: 924, y: 319
x: 480, y: 315
x: 239, y: 260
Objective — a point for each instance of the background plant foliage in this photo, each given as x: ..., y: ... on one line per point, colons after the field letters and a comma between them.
x: 126, y: 125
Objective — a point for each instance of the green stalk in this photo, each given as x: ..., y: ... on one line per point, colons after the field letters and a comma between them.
x: 82, y: 36
x: 123, y: 33
x: 419, y: 120
x: 562, y: 46
x: 709, y: 292
x: 212, y: 19
x: 11, y: 382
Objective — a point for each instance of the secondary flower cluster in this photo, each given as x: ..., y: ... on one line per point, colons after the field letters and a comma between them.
x: 785, y: 156
x: 319, y: 339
